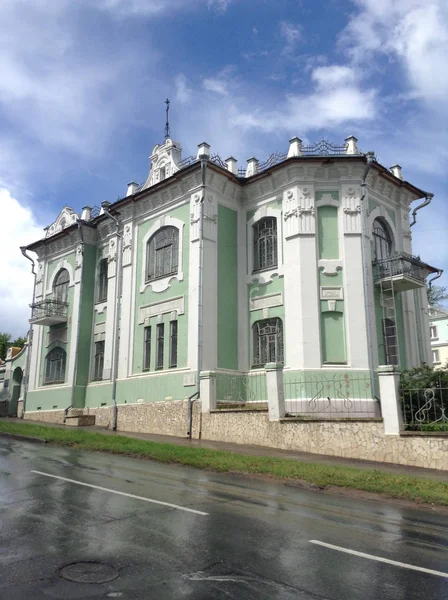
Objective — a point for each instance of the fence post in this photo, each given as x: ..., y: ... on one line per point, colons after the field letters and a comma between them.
x: 275, y: 393
x: 391, y: 409
x: 207, y: 382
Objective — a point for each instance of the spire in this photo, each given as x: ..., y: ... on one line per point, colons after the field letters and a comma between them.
x: 167, y: 125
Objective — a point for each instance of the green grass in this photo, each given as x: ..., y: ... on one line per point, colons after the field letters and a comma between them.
x: 397, y: 486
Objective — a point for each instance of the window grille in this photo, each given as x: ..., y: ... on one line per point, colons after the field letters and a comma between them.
x: 55, y: 366
x: 160, y: 344
x: 102, y: 281
x: 99, y: 361
x: 265, y: 243
x: 268, y: 342
x: 382, y: 240
x: 173, y: 344
x: 60, y: 286
x: 162, y: 253
x: 147, y: 349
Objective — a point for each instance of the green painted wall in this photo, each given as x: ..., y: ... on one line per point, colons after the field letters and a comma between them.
x: 333, y: 337
x: 177, y: 288
x: 400, y: 330
x: 331, y: 280
x: 327, y: 231
x: 49, y: 398
x: 227, y: 288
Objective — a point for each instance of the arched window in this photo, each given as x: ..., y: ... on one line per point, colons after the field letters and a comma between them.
x: 60, y: 286
x: 55, y: 366
x: 102, y: 281
x: 162, y: 253
x: 268, y: 342
x: 265, y: 243
x: 382, y: 240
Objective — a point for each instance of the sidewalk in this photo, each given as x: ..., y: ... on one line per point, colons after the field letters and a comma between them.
x: 335, y: 461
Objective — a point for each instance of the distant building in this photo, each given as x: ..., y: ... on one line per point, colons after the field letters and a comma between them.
x: 438, y: 331
x: 303, y: 262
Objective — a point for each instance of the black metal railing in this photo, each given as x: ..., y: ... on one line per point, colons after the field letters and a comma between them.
x: 401, y: 264
x: 48, y: 308
x: 425, y: 409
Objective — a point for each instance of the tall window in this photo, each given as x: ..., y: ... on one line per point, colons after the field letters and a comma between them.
x: 102, y: 281
x: 160, y: 343
x: 433, y: 332
x: 382, y: 240
x: 147, y: 349
x: 173, y: 344
x: 162, y: 173
x: 162, y: 253
x: 99, y: 361
x: 60, y: 286
x: 390, y: 342
x: 268, y: 342
x: 435, y: 356
x: 55, y: 366
x: 265, y: 243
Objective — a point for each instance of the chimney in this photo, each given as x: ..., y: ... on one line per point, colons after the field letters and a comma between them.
x: 295, y: 147
x: 132, y: 188
x: 396, y: 170
x: 232, y: 165
x: 252, y: 166
x: 203, y: 149
x: 86, y: 213
x: 351, y: 145
x: 104, y: 205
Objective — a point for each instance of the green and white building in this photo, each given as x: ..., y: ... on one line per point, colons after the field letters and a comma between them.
x: 215, y: 282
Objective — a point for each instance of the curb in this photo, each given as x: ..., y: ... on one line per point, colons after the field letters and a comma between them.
x: 22, y: 438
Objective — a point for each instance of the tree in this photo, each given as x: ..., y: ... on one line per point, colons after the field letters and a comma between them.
x: 436, y: 295
x: 18, y: 342
x: 5, y: 342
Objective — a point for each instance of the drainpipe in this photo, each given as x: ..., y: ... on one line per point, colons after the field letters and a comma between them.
x: 370, y: 159
x: 105, y: 207
x: 197, y: 394
x: 23, y: 250
x: 439, y: 274
x: 78, y: 327
x: 428, y: 199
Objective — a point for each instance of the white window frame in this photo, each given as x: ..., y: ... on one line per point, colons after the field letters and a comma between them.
x: 265, y: 275
x: 436, y: 356
x: 433, y: 329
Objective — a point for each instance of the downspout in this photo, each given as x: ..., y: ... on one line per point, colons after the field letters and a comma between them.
x: 428, y: 199
x: 197, y: 394
x: 78, y: 327
x: 23, y: 250
x: 439, y: 274
x: 370, y: 159
x: 105, y: 207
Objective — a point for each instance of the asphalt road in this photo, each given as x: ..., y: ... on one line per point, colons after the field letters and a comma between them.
x: 176, y: 533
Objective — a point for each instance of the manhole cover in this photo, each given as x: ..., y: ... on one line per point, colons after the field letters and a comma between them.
x: 89, y: 572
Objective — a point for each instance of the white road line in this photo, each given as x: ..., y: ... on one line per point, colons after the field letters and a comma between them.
x: 379, y: 559
x: 103, y: 489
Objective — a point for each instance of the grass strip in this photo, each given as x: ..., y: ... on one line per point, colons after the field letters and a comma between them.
x: 396, y: 486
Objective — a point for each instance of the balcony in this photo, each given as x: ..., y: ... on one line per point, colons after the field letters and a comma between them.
x: 48, y: 312
x: 401, y: 271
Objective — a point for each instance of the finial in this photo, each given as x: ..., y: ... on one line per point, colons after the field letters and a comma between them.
x: 167, y: 125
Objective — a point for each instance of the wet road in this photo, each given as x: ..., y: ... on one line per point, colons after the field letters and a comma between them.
x: 177, y: 533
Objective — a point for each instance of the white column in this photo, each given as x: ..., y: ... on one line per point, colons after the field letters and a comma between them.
x: 126, y: 303
x: 208, y: 391
x: 74, y: 331
x: 110, y: 312
x: 35, y: 349
x: 391, y: 410
x: 274, y: 388
x: 193, y: 282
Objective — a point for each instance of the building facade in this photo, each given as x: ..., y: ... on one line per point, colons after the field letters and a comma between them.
x: 438, y: 332
x: 208, y: 272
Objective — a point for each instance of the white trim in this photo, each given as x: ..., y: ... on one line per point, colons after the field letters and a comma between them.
x: 61, y: 264
x: 264, y: 276
x: 381, y: 213
x: 160, y: 285
x: 133, y: 302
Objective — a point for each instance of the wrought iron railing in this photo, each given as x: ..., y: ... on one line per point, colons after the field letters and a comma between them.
x: 239, y: 389
x: 48, y: 308
x: 401, y: 263
x: 425, y: 409
x: 324, y: 396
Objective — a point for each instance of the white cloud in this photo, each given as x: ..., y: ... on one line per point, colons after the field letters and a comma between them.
x: 292, y: 34
x: 19, y: 227
x: 183, y: 91
x: 222, y: 83
x: 333, y: 76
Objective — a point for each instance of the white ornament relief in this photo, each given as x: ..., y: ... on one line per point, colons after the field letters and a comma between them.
x: 331, y: 305
x: 78, y: 259
x: 263, y: 302
x: 127, y: 245
x: 195, y: 216
x: 161, y: 308
x: 66, y: 218
x: 352, y: 210
x: 331, y: 293
x: 298, y: 211
x: 210, y: 218
x: 330, y: 266
x: 40, y: 273
x: 112, y: 258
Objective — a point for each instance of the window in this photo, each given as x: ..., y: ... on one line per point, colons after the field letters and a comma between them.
x: 382, y: 240
x: 268, y: 342
x: 173, y: 344
x: 265, y: 243
x: 60, y: 286
x: 390, y: 342
x: 147, y: 349
x: 99, y: 361
x: 433, y: 332
x: 162, y: 253
x: 435, y: 356
x: 55, y: 366
x: 102, y: 281
x: 160, y: 342
x: 162, y: 173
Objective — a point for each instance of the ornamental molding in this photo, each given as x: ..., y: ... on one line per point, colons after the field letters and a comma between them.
x: 66, y: 217
x: 330, y: 266
x: 269, y: 301
x: 161, y: 308
x: 331, y: 293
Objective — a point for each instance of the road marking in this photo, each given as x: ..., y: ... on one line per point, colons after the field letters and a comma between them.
x: 103, y: 489
x: 380, y: 559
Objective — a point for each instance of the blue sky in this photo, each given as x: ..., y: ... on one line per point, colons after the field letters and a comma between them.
x: 82, y: 86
